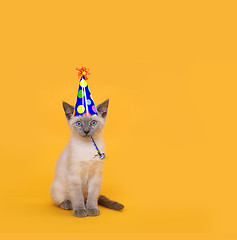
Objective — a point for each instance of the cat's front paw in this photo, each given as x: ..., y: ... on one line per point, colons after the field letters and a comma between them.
x: 93, y: 212
x: 79, y: 212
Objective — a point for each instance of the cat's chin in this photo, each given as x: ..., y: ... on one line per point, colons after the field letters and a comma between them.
x: 85, y: 136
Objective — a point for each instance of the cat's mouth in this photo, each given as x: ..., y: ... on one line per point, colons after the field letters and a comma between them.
x: 87, y: 135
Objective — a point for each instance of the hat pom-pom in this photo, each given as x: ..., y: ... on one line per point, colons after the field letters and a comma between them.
x: 83, y: 71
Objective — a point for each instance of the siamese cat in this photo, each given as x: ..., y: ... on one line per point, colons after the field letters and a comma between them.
x: 78, y: 174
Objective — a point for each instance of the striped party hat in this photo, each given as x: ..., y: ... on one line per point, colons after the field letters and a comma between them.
x: 85, y: 105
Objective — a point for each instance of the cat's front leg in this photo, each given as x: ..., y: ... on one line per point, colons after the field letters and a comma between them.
x: 77, y: 198
x: 94, y: 186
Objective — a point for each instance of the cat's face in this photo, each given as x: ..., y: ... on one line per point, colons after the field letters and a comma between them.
x: 85, y: 126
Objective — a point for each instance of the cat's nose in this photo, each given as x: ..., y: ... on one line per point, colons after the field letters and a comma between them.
x: 86, y: 131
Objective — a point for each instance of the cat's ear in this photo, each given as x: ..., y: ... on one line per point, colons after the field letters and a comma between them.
x: 102, y: 108
x: 68, y: 109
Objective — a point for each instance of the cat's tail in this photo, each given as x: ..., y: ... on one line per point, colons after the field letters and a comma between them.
x: 106, y: 202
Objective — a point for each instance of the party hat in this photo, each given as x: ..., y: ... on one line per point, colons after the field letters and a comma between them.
x: 85, y: 105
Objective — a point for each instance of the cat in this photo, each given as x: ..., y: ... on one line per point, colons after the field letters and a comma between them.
x: 78, y: 175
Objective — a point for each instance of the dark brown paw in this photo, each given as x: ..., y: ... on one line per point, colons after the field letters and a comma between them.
x: 66, y: 205
x: 79, y: 212
x: 93, y: 212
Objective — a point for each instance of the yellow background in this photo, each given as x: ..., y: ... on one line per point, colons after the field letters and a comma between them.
x: 169, y: 70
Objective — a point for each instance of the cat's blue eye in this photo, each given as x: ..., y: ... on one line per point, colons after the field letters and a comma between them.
x: 93, y: 123
x: 78, y: 124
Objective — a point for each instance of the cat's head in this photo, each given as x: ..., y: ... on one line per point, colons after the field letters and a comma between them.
x: 85, y: 126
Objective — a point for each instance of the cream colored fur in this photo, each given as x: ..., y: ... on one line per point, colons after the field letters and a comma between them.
x: 76, y: 166
x: 78, y: 174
